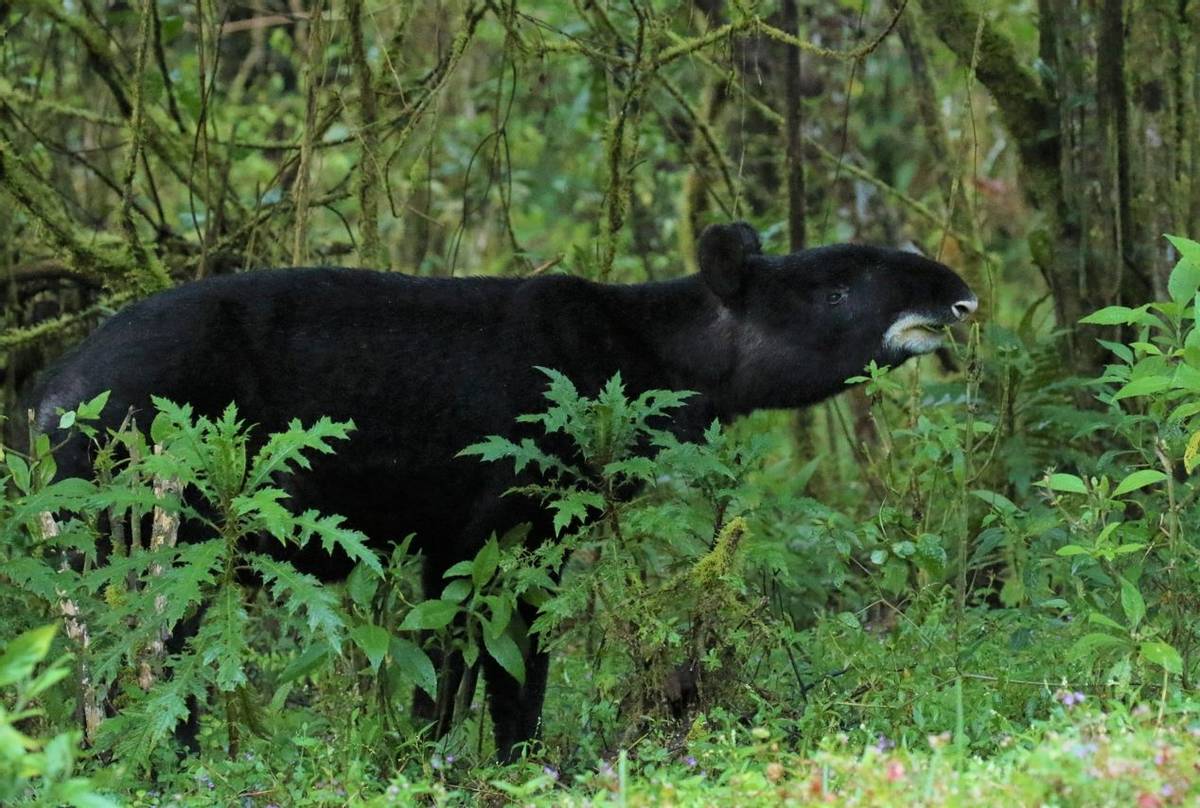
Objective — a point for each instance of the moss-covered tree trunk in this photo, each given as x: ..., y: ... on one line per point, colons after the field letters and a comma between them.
x: 1079, y: 129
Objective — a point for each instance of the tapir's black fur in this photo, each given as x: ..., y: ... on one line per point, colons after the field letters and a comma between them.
x: 425, y: 367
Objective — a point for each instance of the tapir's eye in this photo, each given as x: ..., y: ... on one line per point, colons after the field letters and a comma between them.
x: 837, y: 296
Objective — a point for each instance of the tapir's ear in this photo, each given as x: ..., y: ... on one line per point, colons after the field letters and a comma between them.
x: 723, y: 253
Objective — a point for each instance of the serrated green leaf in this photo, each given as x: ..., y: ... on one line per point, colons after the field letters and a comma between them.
x: 1139, y: 479
x: 332, y: 534
x: 91, y: 410
x: 362, y: 585
x: 572, y: 506
x: 285, y: 451
x: 222, y: 638
x: 296, y: 590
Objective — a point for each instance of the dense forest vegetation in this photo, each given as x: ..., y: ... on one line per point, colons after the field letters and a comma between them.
x: 971, y: 578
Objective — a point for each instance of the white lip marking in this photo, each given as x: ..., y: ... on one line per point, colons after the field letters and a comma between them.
x: 910, y: 334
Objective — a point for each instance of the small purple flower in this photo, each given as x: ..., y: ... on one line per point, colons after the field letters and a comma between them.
x: 690, y: 761
x: 883, y: 743
x: 436, y: 762
x: 1083, y: 750
x: 1070, y: 699
x: 605, y: 769
x: 450, y: 760
x: 551, y: 772
x: 1167, y: 790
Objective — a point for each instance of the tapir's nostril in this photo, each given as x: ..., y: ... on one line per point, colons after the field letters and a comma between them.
x: 965, y: 308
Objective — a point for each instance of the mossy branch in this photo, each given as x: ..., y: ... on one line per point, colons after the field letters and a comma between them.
x: 757, y: 25
x: 1027, y: 109
x: 369, y: 249
x: 33, y: 194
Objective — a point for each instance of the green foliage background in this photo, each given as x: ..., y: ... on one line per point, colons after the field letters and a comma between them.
x: 925, y: 589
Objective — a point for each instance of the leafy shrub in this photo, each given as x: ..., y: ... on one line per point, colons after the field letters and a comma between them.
x: 34, y: 772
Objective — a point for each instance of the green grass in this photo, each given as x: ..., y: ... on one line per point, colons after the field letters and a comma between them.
x: 1083, y: 756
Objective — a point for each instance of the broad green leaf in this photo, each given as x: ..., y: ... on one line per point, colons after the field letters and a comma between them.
x: 1185, y: 277
x: 1185, y: 410
x: 501, y: 613
x: 1122, y: 351
x: 1114, y: 315
x: 19, y: 470
x: 1068, y: 550
x: 485, y: 563
x: 1186, y: 378
x: 24, y: 653
x: 1144, y: 386
x: 415, y: 665
x: 1191, y: 455
x: 429, y: 615
x: 1068, y: 483
x: 504, y: 650
x: 78, y: 793
x: 457, y: 590
x: 997, y: 501
x: 308, y: 661
x: 459, y: 569
x: 1139, y: 479
x: 1163, y: 655
x: 1132, y: 603
x: 1105, y: 620
x: 374, y: 642
x: 1087, y: 645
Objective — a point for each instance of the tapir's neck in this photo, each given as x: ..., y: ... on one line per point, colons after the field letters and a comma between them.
x: 689, y: 331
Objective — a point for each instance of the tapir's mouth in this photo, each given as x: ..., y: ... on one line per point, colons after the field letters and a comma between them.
x: 916, y: 333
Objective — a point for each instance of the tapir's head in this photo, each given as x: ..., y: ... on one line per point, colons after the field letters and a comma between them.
x: 801, y: 324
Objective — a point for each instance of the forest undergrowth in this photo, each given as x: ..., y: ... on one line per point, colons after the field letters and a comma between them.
x: 1002, y: 584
